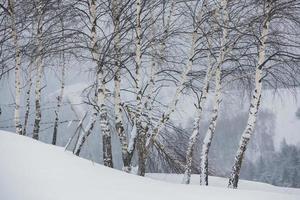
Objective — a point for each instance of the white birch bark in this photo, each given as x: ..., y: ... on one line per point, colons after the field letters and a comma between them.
x: 95, y: 57
x: 39, y: 66
x: 29, y: 88
x: 255, y: 101
x: 101, y: 89
x: 138, y: 61
x: 28, y: 92
x: 11, y: 9
x: 140, y: 140
x: 62, y: 87
x: 143, y: 128
x: 148, y: 105
x: 217, y: 99
x: 117, y: 82
x: 133, y: 137
x: 195, y: 133
x: 192, y: 140
x: 211, y: 130
x: 104, y: 125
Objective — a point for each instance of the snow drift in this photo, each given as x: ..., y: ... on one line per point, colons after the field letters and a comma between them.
x: 31, y: 170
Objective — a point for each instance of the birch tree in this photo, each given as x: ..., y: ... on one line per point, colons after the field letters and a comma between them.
x: 14, y: 33
x: 101, y: 91
x: 62, y: 85
x: 256, y: 98
x: 201, y: 102
x: 211, y: 129
x: 138, y: 89
x: 144, y: 109
x: 28, y: 94
x: 119, y: 126
x: 39, y: 68
x: 217, y: 99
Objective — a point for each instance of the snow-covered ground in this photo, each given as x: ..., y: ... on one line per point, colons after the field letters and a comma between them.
x: 31, y: 170
x: 222, y: 182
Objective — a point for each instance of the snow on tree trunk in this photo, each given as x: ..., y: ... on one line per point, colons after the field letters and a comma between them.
x: 193, y: 137
x: 17, y: 120
x: 131, y: 147
x: 101, y: 91
x: 104, y: 124
x: 60, y: 97
x: 255, y: 101
x: 211, y: 130
x: 39, y: 65
x: 217, y: 99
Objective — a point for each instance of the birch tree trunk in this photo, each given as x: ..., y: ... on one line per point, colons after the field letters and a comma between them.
x: 211, y: 130
x: 255, y: 101
x: 104, y: 125
x: 62, y: 87
x: 117, y: 82
x: 28, y: 92
x: 141, y: 136
x: 11, y: 9
x: 192, y: 140
x: 101, y: 90
x: 148, y: 105
x: 142, y: 129
x: 39, y: 66
x: 193, y: 137
x: 217, y: 99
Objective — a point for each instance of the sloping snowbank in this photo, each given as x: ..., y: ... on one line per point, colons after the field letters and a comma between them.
x: 31, y: 170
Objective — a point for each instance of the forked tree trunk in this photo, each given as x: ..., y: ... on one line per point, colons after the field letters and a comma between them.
x: 195, y: 133
x: 211, y: 130
x: 217, y: 99
x: 255, y: 101
x: 11, y: 9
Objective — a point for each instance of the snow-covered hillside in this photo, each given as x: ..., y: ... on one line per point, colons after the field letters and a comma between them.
x: 31, y: 170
